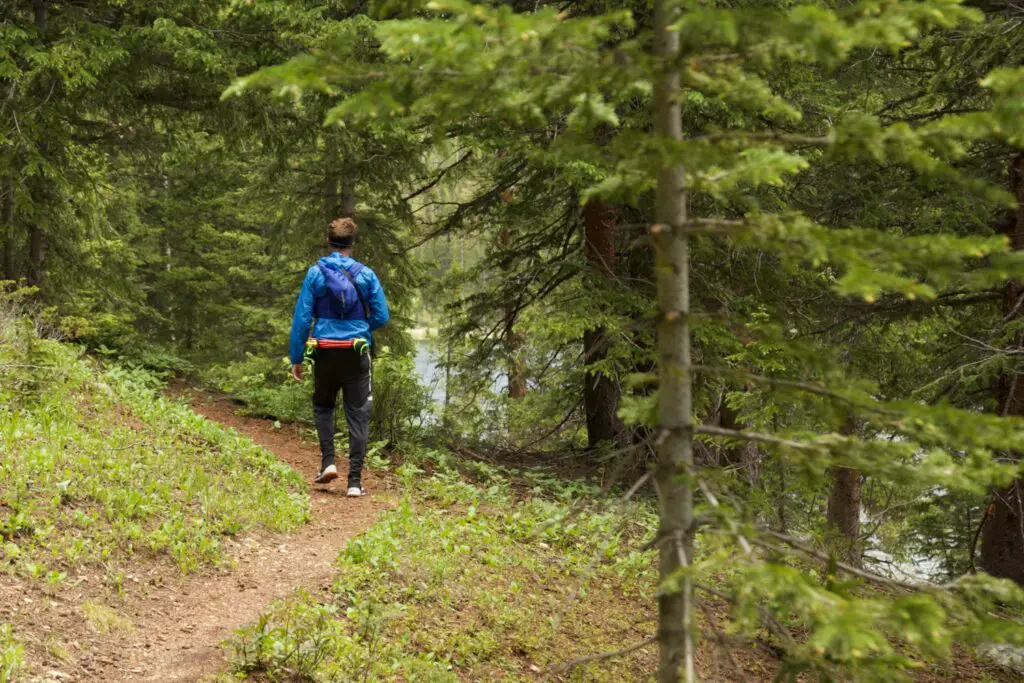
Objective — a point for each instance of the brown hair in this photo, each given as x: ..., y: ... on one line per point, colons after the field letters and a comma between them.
x: 342, y: 232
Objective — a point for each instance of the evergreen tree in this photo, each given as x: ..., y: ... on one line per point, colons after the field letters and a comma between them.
x: 726, y: 143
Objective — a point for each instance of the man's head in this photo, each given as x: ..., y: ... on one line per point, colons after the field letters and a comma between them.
x: 341, y: 234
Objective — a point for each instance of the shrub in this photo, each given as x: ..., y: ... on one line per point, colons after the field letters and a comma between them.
x: 400, y: 402
x: 265, y: 387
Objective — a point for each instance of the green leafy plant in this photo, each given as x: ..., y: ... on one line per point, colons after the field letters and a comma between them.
x: 12, y: 654
x: 101, y: 466
x: 400, y: 402
x: 500, y: 579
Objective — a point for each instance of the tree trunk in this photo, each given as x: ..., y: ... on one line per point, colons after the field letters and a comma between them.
x: 348, y: 197
x: 744, y: 455
x: 35, y: 255
x: 600, y: 392
x: 514, y: 345
x: 675, y: 393
x: 844, y: 502
x: 1002, y: 540
x: 36, y: 238
x: 332, y: 180
x: 513, y: 341
x: 40, y: 13
x: 782, y: 497
x: 9, y: 246
x: 843, y: 512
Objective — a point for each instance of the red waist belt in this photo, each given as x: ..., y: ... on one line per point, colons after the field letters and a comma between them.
x: 336, y: 343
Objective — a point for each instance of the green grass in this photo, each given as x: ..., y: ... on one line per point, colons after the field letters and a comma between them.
x: 476, y: 576
x: 12, y: 654
x: 103, y: 619
x: 98, y: 469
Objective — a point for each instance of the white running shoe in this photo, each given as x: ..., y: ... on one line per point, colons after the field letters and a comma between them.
x: 355, y: 492
x: 330, y: 473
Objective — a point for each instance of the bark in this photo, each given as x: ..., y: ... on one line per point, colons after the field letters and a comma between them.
x: 9, y: 245
x: 39, y: 6
x: 844, y: 502
x: 339, y: 192
x: 1002, y: 540
x: 600, y: 392
x: 745, y: 455
x: 41, y: 192
x: 332, y: 179
x: 513, y: 341
x: 35, y: 255
x: 675, y: 394
x: 516, y: 370
x: 36, y: 238
x: 843, y: 512
x: 348, y: 198
x: 782, y: 498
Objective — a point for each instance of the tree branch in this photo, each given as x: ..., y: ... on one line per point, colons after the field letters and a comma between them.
x: 808, y: 387
x: 849, y: 569
x: 756, y: 436
x: 440, y: 176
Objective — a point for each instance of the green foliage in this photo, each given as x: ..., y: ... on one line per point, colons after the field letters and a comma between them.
x: 846, y: 178
x: 806, y: 285
x: 118, y: 157
x: 522, y: 569
x: 296, y: 640
x: 400, y: 403
x: 265, y: 388
x: 99, y: 467
x: 11, y: 654
x: 511, y: 585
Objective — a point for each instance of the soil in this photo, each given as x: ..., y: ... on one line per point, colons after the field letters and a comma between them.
x: 170, y: 628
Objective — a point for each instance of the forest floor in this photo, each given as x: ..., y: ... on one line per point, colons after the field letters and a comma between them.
x: 179, y: 630
x: 169, y: 627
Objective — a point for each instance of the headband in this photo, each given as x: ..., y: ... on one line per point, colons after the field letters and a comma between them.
x: 342, y: 243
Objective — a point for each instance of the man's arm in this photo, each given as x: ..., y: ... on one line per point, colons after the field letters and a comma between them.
x: 301, y: 320
x: 379, y: 313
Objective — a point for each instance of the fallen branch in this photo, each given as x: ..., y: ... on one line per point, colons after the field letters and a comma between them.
x: 562, y: 668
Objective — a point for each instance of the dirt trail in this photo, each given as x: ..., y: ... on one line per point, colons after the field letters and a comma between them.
x: 179, y: 625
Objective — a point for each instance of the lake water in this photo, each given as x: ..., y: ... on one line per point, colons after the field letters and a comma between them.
x: 430, y: 375
x: 427, y: 360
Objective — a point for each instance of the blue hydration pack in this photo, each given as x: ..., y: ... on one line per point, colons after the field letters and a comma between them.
x: 342, y: 300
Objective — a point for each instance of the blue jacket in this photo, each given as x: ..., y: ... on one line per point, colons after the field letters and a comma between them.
x: 314, y: 286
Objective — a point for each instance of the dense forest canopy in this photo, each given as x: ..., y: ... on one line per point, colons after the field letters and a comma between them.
x: 762, y: 259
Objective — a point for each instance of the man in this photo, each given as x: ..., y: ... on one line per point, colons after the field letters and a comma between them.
x: 348, y: 302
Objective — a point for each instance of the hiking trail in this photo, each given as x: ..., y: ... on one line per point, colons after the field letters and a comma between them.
x: 179, y: 625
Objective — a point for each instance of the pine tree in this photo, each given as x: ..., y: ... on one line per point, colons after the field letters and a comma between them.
x: 501, y: 70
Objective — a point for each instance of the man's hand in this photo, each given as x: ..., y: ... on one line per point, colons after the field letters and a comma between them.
x: 297, y: 372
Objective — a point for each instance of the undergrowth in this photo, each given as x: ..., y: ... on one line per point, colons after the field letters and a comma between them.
x: 264, y: 386
x: 481, y: 573
x: 12, y: 654
x: 475, y: 576
x: 97, y: 467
